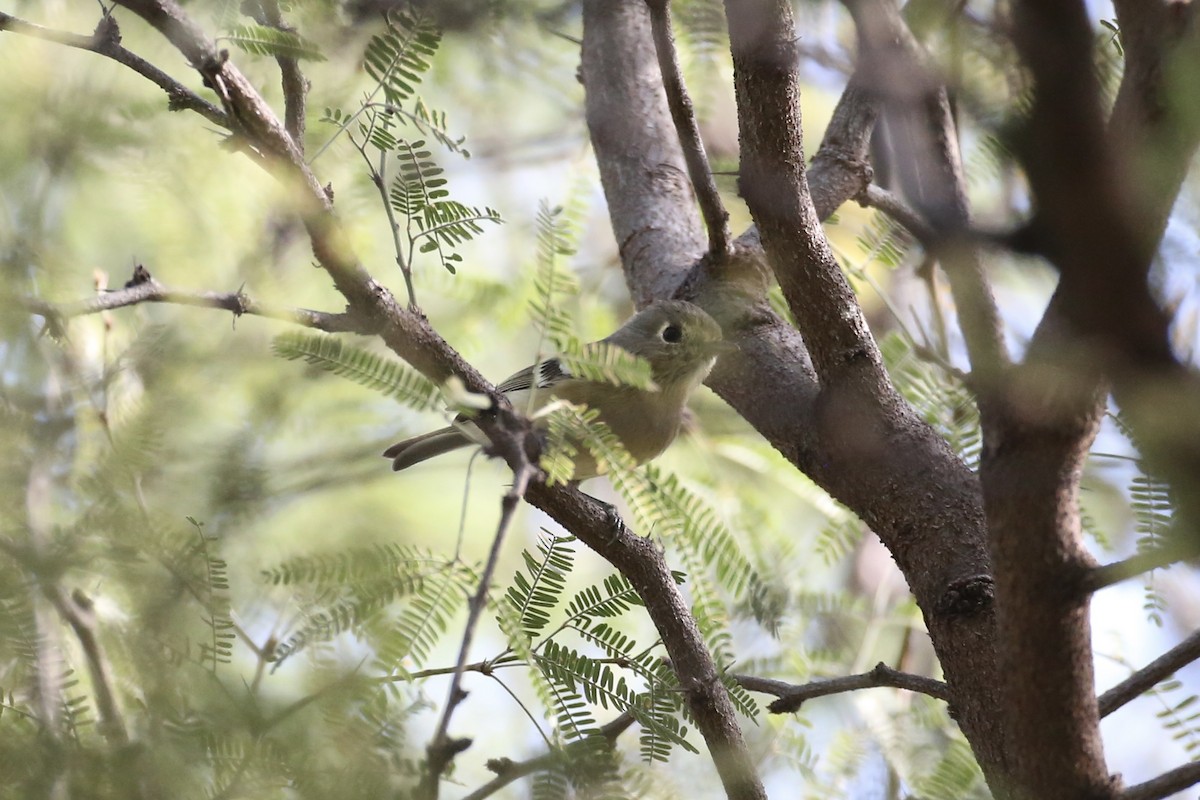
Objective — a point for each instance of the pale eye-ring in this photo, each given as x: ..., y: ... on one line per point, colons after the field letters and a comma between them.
x: 671, y: 334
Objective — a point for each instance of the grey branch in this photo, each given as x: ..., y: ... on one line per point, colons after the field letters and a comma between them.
x: 716, y: 218
x: 151, y: 291
x: 792, y: 696
x: 106, y: 42
x: 1145, y: 678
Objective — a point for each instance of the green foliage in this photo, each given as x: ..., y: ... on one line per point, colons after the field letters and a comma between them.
x: 552, y: 282
x: 436, y: 224
x: 355, y: 587
x: 938, y: 396
x: 838, y: 538
x: 386, y: 376
x: 885, y: 241
x: 956, y: 776
x: 535, y: 592
x: 214, y: 594
x: 261, y: 40
x: 397, y: 58
x: 574, y: 683
x: 1180, y: 718
x: 1153, y: 517
x: 606, y: 363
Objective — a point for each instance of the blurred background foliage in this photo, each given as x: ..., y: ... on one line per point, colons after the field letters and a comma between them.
x: 202, y: 507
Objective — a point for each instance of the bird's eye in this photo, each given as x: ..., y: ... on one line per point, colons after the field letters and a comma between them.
x: 672, y: 334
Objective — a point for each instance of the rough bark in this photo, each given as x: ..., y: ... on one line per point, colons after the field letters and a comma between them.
x: 848, y: 430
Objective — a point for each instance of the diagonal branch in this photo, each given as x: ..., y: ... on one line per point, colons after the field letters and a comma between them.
x: 1165, y: 785
x: 716, y: 218
x: 76, y: 611
x: 875, y: 196
x: 106, y: 41
x: 1153, y: 673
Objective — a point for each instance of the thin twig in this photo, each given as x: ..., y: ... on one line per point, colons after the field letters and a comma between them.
x: 378, y: 175
x: 509, y: 771
x: 151, y: 291
x: 716, y: 218
x: 441, y: 750
x: 792, y: 696
x: 106, y: 42
x: 1148, y: 676
x: 482, y: 667
x: 1165, y: 785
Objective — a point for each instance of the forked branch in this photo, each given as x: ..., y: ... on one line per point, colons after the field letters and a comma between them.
x: 106, y: 41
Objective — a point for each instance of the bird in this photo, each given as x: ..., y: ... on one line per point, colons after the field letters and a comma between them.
x: 678, y: 339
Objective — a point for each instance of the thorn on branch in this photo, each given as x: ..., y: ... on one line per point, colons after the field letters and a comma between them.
x: 107, y: 33
x: 140, y: 275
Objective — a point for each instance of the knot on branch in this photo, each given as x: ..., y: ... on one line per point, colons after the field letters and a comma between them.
x: 967, y: 596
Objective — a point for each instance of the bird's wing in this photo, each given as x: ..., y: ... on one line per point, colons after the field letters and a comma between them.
x: 549, y: 372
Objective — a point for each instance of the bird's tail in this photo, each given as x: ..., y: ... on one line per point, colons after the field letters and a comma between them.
x: 427, y: 445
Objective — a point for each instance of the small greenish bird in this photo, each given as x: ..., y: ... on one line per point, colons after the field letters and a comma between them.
x: 679, y: 341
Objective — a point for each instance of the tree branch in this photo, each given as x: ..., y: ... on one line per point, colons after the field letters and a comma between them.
x: 773, y: 182
x: 1153, y: 673
x: 1165, y: 785
x: 508, y: 771
x: 148, y: 290
x: 716, y: 218
x: 295, y: 86
x: 106, y: 41
x: 1101, y: 577
x: 917, y: 107
x: 441, y: 749
x: 875, y: 196
x: 881, y: 460
x: 650, y: 202
x: 792, y: 696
